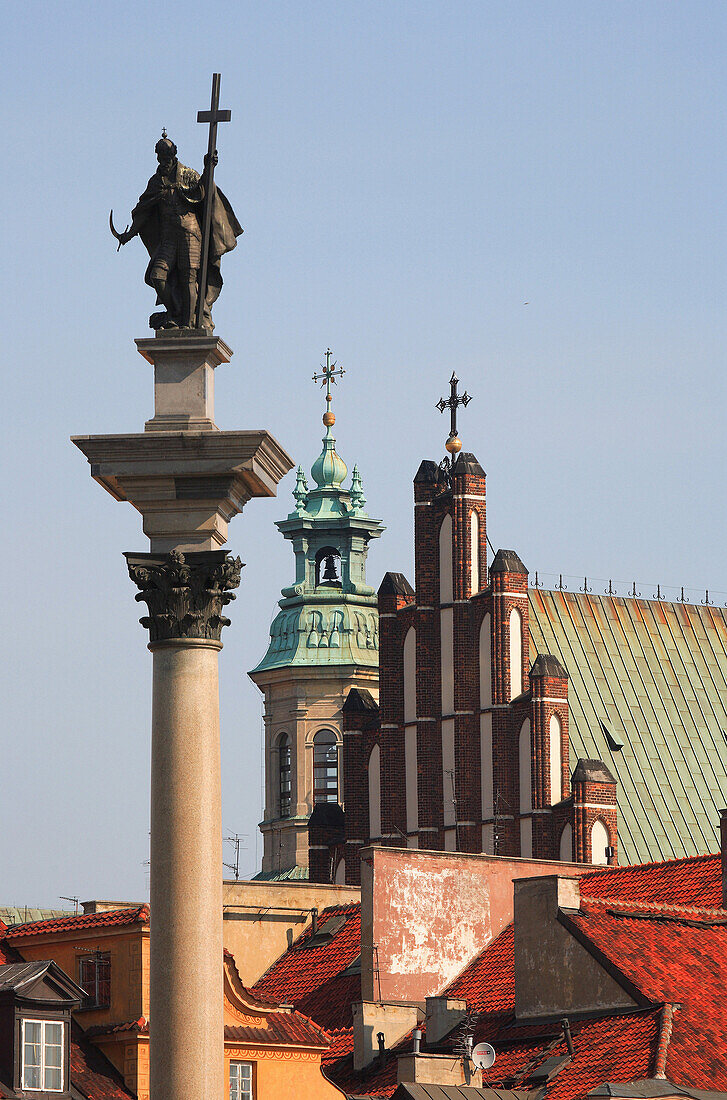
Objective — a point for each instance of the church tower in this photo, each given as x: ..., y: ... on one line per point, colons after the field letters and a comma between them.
x: 323, y: 642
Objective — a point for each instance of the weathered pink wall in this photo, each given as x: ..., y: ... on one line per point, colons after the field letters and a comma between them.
x: 426, y: 915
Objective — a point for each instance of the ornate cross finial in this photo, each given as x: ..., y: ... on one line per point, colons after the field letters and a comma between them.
x: 328, y: 374
x: 453, y: 444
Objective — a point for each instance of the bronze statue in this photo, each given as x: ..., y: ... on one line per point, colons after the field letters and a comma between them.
x: 169, y: 218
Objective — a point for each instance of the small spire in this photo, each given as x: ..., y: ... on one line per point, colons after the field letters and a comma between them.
x: 328, y: 374
x: 300, y: 492
x: 358, y: 500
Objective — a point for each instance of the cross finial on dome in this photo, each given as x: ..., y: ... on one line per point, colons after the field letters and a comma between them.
x: 326, y: 377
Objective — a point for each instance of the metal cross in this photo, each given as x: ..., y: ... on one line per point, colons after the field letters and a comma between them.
x: 454, y: 401
x: 213, y: 116
x: 328, y: 375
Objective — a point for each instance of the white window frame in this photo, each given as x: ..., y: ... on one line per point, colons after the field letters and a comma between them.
x: 43, y: 1087
x: 236, y: 1081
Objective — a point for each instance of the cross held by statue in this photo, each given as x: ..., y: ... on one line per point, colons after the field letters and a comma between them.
x: 452, y: 403
x: 213, y: 116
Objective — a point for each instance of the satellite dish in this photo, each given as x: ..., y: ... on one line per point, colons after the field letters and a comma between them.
x: 483, y: 1055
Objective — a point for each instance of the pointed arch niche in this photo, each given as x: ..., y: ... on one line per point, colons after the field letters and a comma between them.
x: 446, y: 589
x: 516, y: 653
x: 556, y: 759
x: 474, y: 552
x: 410, y: 732
x: 600, y: 840
x: 374, y: 771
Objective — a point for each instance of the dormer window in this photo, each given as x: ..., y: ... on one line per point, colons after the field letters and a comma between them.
x: 36, y: 1001
x: 43, y: 1047
x: 328, y: 567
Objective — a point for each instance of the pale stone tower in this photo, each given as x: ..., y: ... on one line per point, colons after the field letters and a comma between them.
x: 324, y: 641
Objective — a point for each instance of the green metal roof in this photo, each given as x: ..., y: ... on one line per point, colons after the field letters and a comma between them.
x: 23, y: 914
x: 648, y: 696
x: 295, y: 873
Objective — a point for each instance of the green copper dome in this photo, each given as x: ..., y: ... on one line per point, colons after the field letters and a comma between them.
x: 329, y: 470
x: 329, y: 614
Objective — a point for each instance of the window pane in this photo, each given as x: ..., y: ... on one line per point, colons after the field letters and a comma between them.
x: 53, y: 1079
x: 32, y: 1030
x: 53, y: 1057
x: 53, y: 1034
x: 31, y: 1077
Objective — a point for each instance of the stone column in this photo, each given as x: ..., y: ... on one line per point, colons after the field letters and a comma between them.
x: 185, y: 595
x: 187, y: 479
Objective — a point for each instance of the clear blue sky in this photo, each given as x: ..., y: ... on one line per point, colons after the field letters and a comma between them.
x: 531, y: 193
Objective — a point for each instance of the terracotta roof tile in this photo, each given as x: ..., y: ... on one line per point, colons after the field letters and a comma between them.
x: 314, y: 978
x: 693, y: 881
x: 140, y: 1026
x: 281, y: 1028
x: 91, y: 1072
x: 82, y: 920
x: 671, y: 954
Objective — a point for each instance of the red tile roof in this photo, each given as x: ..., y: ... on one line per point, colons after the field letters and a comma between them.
x: 653, y: 948
x: 488, y: 983
x: 82, y: 920
x: 314, y: 979
x: 670, y: 954
x: 140, y: 1026
x: 91, y: 1072
x: 281, y: 1029
x: 693, y: 881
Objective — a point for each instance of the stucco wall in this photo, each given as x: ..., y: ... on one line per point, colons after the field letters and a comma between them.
x: 430, y: 913
x: 261, y: 919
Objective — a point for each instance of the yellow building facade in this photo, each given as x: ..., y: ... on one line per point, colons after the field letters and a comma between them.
x: 270, y: 1051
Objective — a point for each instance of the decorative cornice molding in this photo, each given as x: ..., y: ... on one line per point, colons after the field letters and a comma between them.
x: 185, y: 593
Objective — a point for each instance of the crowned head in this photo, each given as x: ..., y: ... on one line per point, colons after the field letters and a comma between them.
x: 165, y: 150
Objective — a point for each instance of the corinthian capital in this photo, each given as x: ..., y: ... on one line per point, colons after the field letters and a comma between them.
x: 185, y: 593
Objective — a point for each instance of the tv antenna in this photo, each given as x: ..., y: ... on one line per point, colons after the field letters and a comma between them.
x: 74, y: 900
x: 234, y: 839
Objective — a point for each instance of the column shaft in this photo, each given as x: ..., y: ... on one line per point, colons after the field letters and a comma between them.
x: 186, y: 1002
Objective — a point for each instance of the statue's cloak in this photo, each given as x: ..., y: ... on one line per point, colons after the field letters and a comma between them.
x: 224, y: 227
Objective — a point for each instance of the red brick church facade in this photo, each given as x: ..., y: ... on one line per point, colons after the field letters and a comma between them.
x: 468, y: 748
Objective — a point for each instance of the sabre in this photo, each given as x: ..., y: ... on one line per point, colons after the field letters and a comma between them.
x: 117, y: 235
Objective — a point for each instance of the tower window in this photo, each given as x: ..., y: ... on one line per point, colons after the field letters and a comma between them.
x: 328, y: 567
x: 284, y: 784
x: 325, y: 767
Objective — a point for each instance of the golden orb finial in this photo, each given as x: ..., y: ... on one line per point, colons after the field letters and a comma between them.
x: 454, y: 445
x: 329, y: 419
